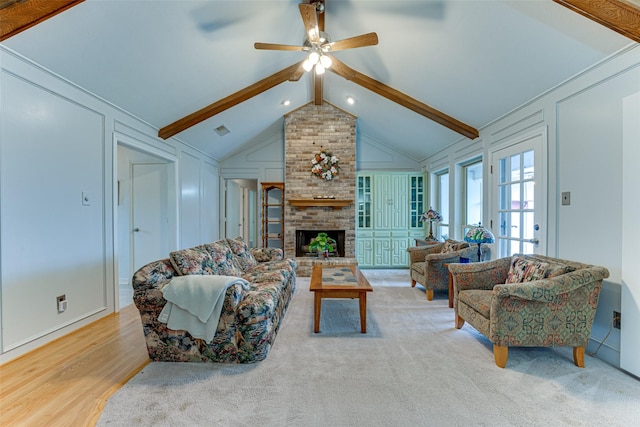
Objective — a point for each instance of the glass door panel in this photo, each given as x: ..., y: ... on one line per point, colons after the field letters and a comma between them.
x: 517, y: 188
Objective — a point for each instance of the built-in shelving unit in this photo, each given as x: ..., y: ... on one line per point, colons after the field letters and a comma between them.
x: 273, y: 215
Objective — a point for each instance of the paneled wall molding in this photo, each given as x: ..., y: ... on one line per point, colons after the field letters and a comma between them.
x: 520, y: 123
x: 147, y: 139
x: 137, y: 144
x: 464, y: 152
x: 246, y: 173
x: 387, y: 148
x: 76, y: 141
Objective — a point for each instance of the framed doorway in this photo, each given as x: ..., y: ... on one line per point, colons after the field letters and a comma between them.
x: 518, y: 177
x: 145, y: 210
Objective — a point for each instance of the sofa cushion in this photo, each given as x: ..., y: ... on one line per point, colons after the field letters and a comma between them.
x: 196, y: 260
x: 526, y: 270
x: 478, y: 299
x: 223, y: 258
x: 243, y: 256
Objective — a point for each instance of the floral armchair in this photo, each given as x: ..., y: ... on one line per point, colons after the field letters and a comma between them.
x: 528, y: 301
x: 427, y: 263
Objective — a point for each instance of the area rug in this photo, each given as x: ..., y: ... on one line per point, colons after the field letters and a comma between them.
x: 411, y: 368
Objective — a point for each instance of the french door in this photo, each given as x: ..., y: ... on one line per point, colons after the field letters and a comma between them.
x: 518, y: 180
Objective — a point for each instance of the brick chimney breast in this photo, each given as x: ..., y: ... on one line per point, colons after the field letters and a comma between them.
x: 306, y: 131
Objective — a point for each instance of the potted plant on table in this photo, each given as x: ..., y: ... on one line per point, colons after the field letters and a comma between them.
x: 323, y: 244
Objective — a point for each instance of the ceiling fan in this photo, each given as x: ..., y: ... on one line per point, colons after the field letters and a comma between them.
x: 317, y: 42
x: 319, y: 46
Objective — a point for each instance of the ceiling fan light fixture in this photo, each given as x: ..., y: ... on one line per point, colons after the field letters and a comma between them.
x: 325, y: 61
x: 319, y: 69
x: 307, y: 65
x: 314, y: 57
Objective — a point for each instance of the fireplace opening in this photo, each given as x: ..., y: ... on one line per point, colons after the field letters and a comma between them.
x: 303, y: 238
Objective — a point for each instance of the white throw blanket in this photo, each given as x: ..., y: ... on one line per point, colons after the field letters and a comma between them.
x: 194, y: 303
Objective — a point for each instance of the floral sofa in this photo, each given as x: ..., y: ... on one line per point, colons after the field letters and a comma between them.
x: 528, y: 301
x: 251, y: 312
x: 426, y: 263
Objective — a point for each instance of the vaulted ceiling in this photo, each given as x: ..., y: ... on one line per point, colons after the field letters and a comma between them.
x: 474, y: 61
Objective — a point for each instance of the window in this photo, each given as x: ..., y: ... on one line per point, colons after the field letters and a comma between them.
x: 472, y: 192
x: 442, y: 203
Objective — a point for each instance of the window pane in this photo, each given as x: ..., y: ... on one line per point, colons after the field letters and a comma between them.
x: 528, y: 231
x: 473, y: 193
x: 504, y: 197
x: 443, y: 192
x: 502, y: 173
x: 514, y: 230
x: 515, y: 196
x: 504, y: 223
x: 515, y: 167
x: 527, y: 164
x: 528, y: 195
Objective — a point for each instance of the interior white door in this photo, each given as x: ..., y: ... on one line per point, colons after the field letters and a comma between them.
x: 150, y: 237
x: 519, y: 218
x: 233, y: 209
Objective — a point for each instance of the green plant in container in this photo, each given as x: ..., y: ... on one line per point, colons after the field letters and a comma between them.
x: 322, y: 242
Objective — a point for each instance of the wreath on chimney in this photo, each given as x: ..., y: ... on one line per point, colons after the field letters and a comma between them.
x: 325, y: 165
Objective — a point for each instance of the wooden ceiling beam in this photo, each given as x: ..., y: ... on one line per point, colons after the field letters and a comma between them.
x: 619, y: 15
x: 19, y: 15
x: 400, y: 98
x: 289, y: 73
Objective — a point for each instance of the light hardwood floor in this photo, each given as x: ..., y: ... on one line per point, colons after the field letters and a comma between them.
x: 68, y: 381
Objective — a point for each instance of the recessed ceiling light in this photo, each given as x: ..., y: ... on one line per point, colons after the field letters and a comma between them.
x: 286, y: 102
x: 351, y: 100
x: 222, y: 130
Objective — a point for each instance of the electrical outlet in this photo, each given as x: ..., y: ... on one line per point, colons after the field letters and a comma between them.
x: 616, y: 319
x: 566, y: 198
x: 61, y: 303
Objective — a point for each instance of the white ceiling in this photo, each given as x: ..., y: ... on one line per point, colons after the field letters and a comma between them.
x: 163, y: 59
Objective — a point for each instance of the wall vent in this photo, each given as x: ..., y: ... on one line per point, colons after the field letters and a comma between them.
x: 222, y: 130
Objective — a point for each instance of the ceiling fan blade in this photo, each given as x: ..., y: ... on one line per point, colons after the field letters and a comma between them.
x: 273, y: 46
x: 310, y: 20
x: 369, y: 39
x: 228, y: 102
x: 297, y: 74
x: 400, y: 98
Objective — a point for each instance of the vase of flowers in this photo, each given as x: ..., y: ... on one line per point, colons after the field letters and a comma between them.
x: 431, y: 216
x: 323, y: 244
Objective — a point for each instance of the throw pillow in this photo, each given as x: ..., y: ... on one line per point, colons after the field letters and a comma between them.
x: 536, y: 270
x: 516, y: 270
x: 196, y: 260
x: 223, y: 258
x: 243, y: 256
x: 449, y: 246
x: 524, y: 270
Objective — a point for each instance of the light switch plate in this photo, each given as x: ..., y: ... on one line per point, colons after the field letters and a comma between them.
x: 566, y: 198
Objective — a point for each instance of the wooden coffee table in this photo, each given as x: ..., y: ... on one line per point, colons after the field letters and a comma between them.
x: 339, y: 282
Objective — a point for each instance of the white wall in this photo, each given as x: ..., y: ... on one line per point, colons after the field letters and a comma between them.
x: 265, y: 159
x: 630, y: 333
x: 584, y: 122
x: 58, y: 142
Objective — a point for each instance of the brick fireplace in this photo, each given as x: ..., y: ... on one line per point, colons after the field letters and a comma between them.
x: 311, y: 203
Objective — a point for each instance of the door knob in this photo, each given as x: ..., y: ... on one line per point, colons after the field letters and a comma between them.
x: 136, y: 230
x: 534, y: 241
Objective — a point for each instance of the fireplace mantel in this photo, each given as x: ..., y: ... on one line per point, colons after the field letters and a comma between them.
x: 332, y: 203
